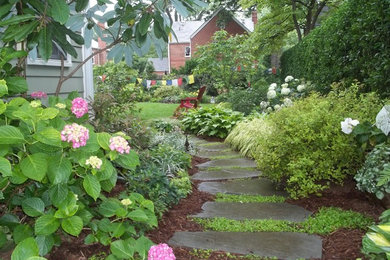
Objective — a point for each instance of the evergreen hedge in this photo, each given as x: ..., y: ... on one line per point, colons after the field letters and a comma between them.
x: 354, y: 43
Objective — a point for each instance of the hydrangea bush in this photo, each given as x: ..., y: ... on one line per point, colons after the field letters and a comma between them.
x: 282, y: 96
x: 53, y: 170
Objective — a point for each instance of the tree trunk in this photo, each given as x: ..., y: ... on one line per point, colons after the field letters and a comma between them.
x: 296, y: 24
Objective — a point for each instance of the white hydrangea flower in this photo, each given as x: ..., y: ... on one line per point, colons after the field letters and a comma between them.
x: 288, y: 78
x: 277, y: 107
x: 272, y: 86
x: 301, y: 88
x: 296, y: 80
x: 269, y: 109
x: 94, y: 161
x: 264, y: 104
x: 284, y: 85
x: 348, y: 124
x: 285, y: 91
x: 35, y: 103
x: 287, y: 102
x: 271, y: 94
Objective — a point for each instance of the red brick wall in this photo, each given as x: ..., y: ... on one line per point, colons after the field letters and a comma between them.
x: 176, y: 53
x: 204, y: 36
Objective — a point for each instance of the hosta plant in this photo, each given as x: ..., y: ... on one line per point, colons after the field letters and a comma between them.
x: 376, y: 243
x: 211, y: 121
x: 53, y: 170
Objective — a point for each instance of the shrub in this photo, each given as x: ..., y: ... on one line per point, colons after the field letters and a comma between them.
x: 211, y: 121
x: 354, y: 45
x: 245, y: 100
x: 370, y: 177
x: 304, y: 148
x: 167, y: 92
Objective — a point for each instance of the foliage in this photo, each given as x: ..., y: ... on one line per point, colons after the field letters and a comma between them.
x: 281, y: 17
x: 56, y: 185
x: 225, y: 60
x: 325, y: 221
x: 302, y: 146
x: 131, y: 28
x: 376, y: 242
x: 212, y: 121
x: 245, y: 100
x: 373, y: 176
x: 221, y: 197
x: 362, y: 28
x: 163, y: 126
x: 113, y: 113
x: 244, y: 136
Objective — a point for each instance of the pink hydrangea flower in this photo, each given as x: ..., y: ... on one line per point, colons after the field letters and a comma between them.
x: 38, y: 94
x: 161, y: 252
x: 118, y: 143
x: 79, y: 107
x: 77, y: 134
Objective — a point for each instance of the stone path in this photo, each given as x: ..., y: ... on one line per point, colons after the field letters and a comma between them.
x: 239, y: 176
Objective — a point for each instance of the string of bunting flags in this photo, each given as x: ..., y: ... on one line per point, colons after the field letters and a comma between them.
x: 190, y: 79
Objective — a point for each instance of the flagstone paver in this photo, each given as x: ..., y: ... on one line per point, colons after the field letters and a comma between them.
x: 261, y: 186
x: 283, y: 245
x: 225, y: 174
x: 228, y: 163
x: 208, y: 154
x: 241, y: 211
x: 215, y: 147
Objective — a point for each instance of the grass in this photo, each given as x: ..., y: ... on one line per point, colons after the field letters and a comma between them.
x: 206, y: 254
x: 150, y: 111
x: 326, y: 221
x: 248, y: 198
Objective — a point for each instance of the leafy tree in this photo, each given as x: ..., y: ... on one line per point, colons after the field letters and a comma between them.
x: 226, y: 59
x: 279, y: 17
x: 131, y: 28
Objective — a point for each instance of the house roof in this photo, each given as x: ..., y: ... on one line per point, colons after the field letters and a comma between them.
x: 160, y: 64
x: 184, y: 30
x: 244, y: 23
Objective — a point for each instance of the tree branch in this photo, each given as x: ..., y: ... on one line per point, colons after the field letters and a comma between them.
x: 296, y: 25
x: 318, y: 12
x: 65, y: 78
x: 60, y: 81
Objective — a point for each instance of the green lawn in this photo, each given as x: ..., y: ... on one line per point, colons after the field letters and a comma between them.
x: 150, y: 111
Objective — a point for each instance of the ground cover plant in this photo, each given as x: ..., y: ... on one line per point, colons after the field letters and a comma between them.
x: 211, y: 121
x: 325, y: 221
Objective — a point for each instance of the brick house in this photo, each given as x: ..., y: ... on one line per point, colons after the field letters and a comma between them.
x: 190, y: 34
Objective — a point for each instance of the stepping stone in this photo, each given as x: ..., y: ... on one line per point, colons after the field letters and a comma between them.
x: 261, y: 186
x: 283, y: 245
x: 213, y: 147
x: 197, y: 141
x: 241, y: 211
x: 208, y: 154
x: 226, y: 163
x: 225, y: 174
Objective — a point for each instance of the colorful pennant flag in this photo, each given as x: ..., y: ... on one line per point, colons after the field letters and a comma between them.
x: 191, y: 79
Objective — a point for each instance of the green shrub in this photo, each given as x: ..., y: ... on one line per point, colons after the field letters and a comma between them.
x: 211, y: 121
x: 306, y: 149
x: 246, y: 100
x: 351, y: 44
x: 370, y: 177
x: 244, y: 136
x: 168, y: 93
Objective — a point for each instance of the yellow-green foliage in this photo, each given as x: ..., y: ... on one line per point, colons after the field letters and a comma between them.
x: 244, y: 135
x: 307, y: 149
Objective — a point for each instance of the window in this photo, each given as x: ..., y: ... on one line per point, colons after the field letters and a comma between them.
x: 187, y: 52
x: 55, y: 58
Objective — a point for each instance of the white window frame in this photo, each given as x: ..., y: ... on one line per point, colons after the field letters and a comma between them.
x: 185, y: 51
x: 50, y: 62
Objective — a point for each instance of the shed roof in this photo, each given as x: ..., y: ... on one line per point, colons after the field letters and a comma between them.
x: 160, y: 64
